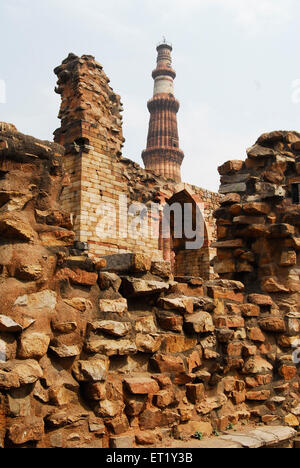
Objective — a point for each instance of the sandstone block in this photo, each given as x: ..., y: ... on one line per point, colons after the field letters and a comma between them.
x: 249, y: 220
x: 8, y: 325
x: 96, y: 344
x: 257, y: 365
x: 194, y: 360
x: 288, y: 372
x: 63, y: 417
x: 195, y: 393
x: 78, y: 277
x: 182, y: 304
x: 13, y: 227
x: 256, y: 208
x: 255, y: 334
x: 185, y: 431
x: 228, y: 188
x: 164, y: 398
x: 57, y: 237
x: 118, y: 306
x: 118, y: 425
x: 225, y: 266
x: 260, y: 300
x: 177, y: 343
x: 277, y: 231
x: 134, y: 287
x: 229, y: 322
x: 33, y: 345
x: 15, y: 374
x: 64, y: 327
x: 122, y: 442
x: 109, y: 280
x: 288, y: 258
x: 65, y: 351
x: 109, y: 408
x: 28, y: 272
x: 145, y: 324
x: 135, y: 404
x: 201, y: 322
x: 123, y: 263
x: 141, y: 263
x: 234, y: 349
x: 248, y: 350
x: 161, y: 269
x: 211, y: 403
x: 141, y: 385
x: 271, y: 285
x: 96, y: 426
x: 230, y: 199
x: 273, y: 324
x: 258, y: 151
x: 258, y: 396
x: 95, y: 391
x: 170, y: 322
x: 250, y: 310
x: 168, y: 364
x: 148, y: 343
x: 163, y: 381
x: 26, y: 429
x: 111, y: 327
x: 291, y: 420
x: 229, y: 244
x: 60, y: 396
x: 79, y: 303
x: 94, y: 370
x: 146, y: 438
x: 153, y: 418
x: 43, y: 300
x: 230, y: 167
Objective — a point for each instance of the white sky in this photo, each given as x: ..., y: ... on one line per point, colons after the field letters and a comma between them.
x: 237, y: 64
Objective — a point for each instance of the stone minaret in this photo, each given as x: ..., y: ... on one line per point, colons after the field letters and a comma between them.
x: 163, y: 155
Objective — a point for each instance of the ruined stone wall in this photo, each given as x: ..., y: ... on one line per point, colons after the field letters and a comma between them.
x: 258, y: 243
x: 114, y: 352
x: 91, y: 131
x: 258, y: 223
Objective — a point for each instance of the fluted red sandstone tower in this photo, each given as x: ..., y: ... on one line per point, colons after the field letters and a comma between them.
x: 163, y: 155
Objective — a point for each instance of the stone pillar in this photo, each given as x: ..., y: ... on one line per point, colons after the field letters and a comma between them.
x: 91, y: 132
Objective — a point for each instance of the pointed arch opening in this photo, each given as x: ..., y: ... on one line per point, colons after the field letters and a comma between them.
x: 185, y: 240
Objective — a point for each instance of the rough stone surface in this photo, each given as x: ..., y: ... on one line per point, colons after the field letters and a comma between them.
x: 33, y: 345
x: 98, y: 350
x: 25, y: 430
x: 8, y: 325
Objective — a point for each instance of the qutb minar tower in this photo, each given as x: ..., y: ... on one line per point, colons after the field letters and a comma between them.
x: 163, y: 155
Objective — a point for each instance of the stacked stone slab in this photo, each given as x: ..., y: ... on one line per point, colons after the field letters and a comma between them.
x: 258, y: 244
x: 258, y: 222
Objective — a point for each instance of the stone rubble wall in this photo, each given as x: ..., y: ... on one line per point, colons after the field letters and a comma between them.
x: 258, y: 222
x: 114, y: 351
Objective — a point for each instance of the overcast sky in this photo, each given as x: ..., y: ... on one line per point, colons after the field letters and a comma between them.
x: 237, y: 64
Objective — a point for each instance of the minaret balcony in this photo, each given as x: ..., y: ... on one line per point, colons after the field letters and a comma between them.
x: 163, y: 71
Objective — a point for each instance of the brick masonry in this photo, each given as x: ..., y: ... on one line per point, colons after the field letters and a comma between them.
x: 91, y: 131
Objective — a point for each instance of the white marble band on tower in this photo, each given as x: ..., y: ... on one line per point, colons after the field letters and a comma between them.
x: 163, y: 84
